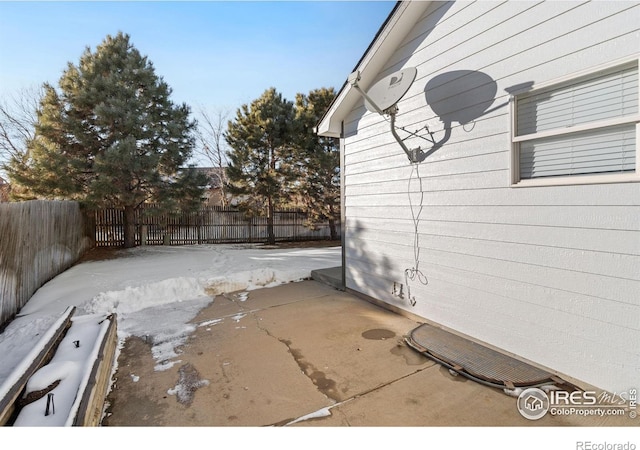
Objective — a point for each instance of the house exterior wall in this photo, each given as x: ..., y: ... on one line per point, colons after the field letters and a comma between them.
x: 549, y: 273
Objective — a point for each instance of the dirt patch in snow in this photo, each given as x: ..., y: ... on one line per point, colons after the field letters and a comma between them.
x: 188, y: 383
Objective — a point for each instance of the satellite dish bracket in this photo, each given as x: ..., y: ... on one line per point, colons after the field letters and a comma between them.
x: 415, y: 155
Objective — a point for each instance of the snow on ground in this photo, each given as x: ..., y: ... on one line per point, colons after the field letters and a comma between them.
x: 155, y: 292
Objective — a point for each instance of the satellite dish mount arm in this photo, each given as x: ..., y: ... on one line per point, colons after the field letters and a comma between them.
x: 415, y: 155
x: 353, y: 80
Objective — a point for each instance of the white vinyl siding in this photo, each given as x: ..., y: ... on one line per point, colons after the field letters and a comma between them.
x: 581, y: 127
x: 550, y: 274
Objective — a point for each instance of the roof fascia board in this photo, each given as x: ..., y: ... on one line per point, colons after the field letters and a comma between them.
x: 395, y: 29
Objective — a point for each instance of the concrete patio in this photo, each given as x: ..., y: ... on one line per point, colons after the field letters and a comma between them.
x: 305, y: 354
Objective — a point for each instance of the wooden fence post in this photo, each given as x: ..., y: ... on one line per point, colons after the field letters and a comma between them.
x: 144, y: 234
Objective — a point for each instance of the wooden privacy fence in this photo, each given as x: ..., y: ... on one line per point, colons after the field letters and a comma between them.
x: 212, y: 225
x: 38, y: 240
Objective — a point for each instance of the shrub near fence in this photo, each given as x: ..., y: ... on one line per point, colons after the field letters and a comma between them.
x: 213, y: 225
x: 38, y: 240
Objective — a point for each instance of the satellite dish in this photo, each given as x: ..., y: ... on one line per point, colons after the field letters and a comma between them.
x: 388, y: 91
x: 383, y: 97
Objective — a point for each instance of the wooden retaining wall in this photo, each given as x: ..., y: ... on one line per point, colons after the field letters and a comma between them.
x: 92, y: 397
x: 89, y: 403
x: 13, y: 388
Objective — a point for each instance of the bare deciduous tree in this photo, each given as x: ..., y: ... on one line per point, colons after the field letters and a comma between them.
x: 212, y: 145
x: 18, y: 116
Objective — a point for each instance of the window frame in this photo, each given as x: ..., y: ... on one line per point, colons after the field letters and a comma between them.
x: 560, y: 180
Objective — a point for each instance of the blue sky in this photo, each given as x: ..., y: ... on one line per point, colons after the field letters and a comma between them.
x: 213, y: 54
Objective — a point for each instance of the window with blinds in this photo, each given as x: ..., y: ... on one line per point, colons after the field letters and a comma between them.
x: 586, y: 126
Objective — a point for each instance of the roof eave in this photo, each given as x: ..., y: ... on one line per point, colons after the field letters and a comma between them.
x: 400, y: 21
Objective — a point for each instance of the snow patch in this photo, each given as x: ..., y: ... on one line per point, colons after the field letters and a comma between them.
x: 133, y: 299
x: 49, y: 374
x: 208, y: 323
x: 324, y: 412
x: 239, y: 317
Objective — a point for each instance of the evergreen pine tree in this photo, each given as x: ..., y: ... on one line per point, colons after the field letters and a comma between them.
x: 261, y: 159
x: 319, y: 160
x: 111, y: 136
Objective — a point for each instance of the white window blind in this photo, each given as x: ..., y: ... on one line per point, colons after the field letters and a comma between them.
x: 586, y: 126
